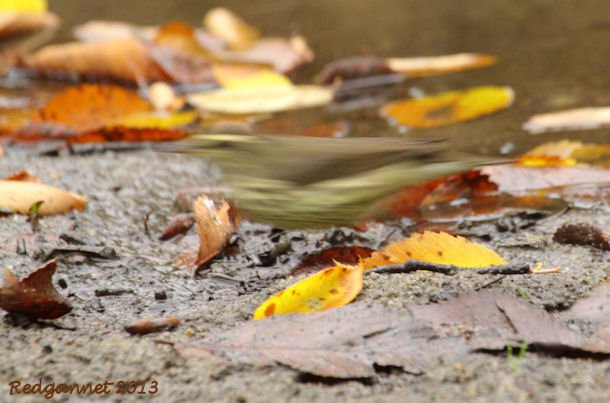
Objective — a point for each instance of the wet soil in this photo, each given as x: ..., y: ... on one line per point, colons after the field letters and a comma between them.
x: 90, y: 345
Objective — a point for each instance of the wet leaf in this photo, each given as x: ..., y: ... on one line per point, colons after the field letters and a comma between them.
x: 434, y: 65
x: 340, y: 254
x: 214, y: 226
x: 449, y: 107
x: 19, y: 196
x: 231, y: 28
x: 441, y: 248
x: 330, y: 288
x: 151, y: 325
x: 34, y: 296
x: 571, y: 119
x: 582, y: 234
x: 261, y: 100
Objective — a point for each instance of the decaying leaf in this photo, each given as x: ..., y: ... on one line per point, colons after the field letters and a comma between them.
x: 572, y: 119
x: 179, y: 224
x: 429, y: 66
x: 19, y: 196
x: 449, y: 107
x: 231, y: 28
x: 349, y: 342
x: 582, y: 234
x: 33, y: 296
x: 261, y: 100
x: 151, y: 325
x: 341, y: 254
x: 214, y: 225
x: 433, y: 247
x: 330, y: 288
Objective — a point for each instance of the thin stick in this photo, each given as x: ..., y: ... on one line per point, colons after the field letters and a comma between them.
x: 412, y: 265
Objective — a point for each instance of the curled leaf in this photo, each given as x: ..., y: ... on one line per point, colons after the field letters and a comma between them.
x: 34, y: 296
x: 449, y: 107
x: 214, y: 225
x: 330, y: 288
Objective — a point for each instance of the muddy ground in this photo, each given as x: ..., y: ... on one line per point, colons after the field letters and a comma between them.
x: 90, y: 345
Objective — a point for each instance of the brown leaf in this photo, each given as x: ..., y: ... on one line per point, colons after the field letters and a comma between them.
x: 125, y: 59
x: 594, y: 308
x: 151, y: 325
x: 341, y: 254
x: 22, y: 176
x: 582, y: 234
x: 214, y: 225
x: 179, y: 224
x: 34, y: 296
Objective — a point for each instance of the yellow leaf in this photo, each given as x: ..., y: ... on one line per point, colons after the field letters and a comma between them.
x: 19, y: 196
x: 567, y: 153
x: 435, y: 247
x: 31, y: 6
x: 330, y: 288
x: 261, y: 100
x: 259, y: 79
x: 156, y: 120
x: 449, y: 107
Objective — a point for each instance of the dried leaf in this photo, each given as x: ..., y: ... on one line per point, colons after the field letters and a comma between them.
x: 441, y: 248
x: 151, y: 325
x: 430, y: 66
x: 571, y: 119
x: 34, y: 296
x: 330, y: 288
x: 261, y: 100
x: 127, y: 60
x: 567, y: 153
x: 231, y: 28
x: 214, y: 225
x: 19, y: 196
x: 449, y: 107
x: 179, y: 224
x: 514, y: 179
x: 22, y: 176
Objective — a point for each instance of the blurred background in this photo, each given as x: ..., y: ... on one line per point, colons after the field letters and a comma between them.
x: 553, y: 53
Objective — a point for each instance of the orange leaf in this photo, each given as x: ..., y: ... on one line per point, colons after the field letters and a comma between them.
x: 330, y: 288
x: 214, y: 225
x: 449, y: 107
x: 19, y: 196
x: 433, y: 247
x: 567, y: 153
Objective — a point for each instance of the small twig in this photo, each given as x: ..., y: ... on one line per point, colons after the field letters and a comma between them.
x: 146, y: 230
x: 490, y: 283
x: 412, y: 265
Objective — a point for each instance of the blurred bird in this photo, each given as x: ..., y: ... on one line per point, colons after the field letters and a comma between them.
x: 297, y: 182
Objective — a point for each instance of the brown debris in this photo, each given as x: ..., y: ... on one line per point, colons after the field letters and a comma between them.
x: 151, y: 325
x: 582, y: 234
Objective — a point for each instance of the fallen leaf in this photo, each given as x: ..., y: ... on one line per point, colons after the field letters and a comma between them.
x: 100, y: 31
x: 352, y: 341
x: 261, y: 100
x: 162, y: 96
x: 449, y: 107
x: 231, y: 28
x: 582, y: 234
x: 28, y: 6
x: 340, y: 254
x: 432, y: 247
x: 514, y: 179
x: 151, y: 325
x: 18, y: 196
x: 330, y: 288
x: 567, y: 153
x: 434, y: 65
x: 34, y: 296
x: 258, y: 79
x: 214, y: 225
x: 179, y: 224
x: 22, y: 176
x: 571, y: 119
x: 125, y: 59
x: 594, y: 308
